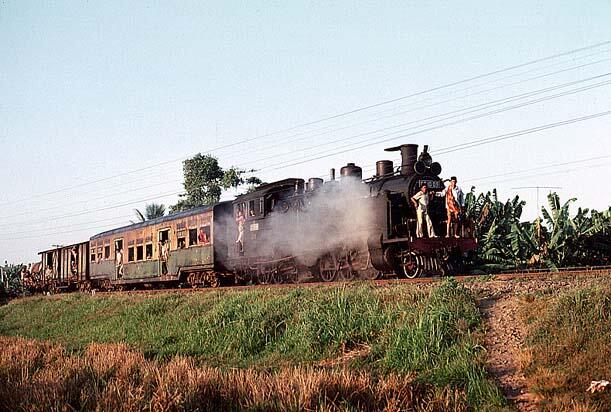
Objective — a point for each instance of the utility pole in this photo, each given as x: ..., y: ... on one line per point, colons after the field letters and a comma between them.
x: 537, y: 188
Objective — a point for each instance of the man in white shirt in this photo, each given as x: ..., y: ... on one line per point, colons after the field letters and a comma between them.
x: 421, y: 203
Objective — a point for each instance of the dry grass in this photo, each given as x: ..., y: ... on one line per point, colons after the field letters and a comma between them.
x: 568, y: 346
x: 41, y: 376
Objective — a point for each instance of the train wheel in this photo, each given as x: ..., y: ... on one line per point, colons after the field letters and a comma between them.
x: 328, y: 268
x: 214, y: 280
x: 346, y: 273
x: 411, y: 266
x: 265, y: 277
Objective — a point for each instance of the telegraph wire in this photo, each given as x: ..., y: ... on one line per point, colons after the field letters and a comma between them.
x: 539, y: 168
x: 489, y: 104
x: 356, y: 110
x: 282, y: 165
x: 455, y: 114
x: 28, y: 222
x: 327, y: 130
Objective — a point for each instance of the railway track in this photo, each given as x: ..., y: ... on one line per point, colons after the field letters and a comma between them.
x: 539, y: 274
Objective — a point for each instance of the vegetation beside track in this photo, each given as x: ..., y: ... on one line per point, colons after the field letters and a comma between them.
x: 341, y: 346
x: 567, y: 346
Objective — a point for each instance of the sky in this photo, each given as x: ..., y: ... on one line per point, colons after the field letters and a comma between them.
x: 101, y: 101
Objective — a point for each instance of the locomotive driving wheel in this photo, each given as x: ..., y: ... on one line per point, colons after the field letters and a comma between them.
x: 328, y: 268
x: 411, y: 266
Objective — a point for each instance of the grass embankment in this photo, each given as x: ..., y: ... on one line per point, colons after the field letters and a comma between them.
x: 341, y: 347
x: 568, y: 345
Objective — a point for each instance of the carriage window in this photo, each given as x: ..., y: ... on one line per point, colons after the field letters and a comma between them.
x: 140, y: 252
x: 261, y: 205
x: 99, y: 253
x: 164, y: 235
x: 91, y: 255
x: 107, y: 252
x: 149, y: 251
x: 130, y: 254
x: 118, y: 245
x: 203, y: 236
x: 192, y: 237
x: 251, y: 208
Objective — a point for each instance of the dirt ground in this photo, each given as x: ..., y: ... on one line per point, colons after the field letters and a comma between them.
x: 499, y: 302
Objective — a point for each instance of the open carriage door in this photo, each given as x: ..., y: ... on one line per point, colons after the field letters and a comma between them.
x: 163, y: 251
x: 119, y: 258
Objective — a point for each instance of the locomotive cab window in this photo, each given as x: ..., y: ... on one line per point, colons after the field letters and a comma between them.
x: 192, y: 237
x: 140, y: 252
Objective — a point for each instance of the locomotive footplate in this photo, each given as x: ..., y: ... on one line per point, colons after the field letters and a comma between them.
x: 427, y: 245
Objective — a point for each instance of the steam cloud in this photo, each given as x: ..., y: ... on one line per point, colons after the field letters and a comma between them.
x: 337, y: 215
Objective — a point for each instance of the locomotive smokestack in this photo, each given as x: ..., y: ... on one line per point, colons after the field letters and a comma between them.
x: 409, y: 156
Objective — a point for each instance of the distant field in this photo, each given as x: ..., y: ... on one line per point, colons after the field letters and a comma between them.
x: 328, y: 348
x: 568, y: 344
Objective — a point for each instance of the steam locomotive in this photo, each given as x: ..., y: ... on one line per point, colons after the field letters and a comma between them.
x: 282, y: 232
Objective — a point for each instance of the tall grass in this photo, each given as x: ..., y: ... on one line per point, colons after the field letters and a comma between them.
x: 568, y: 346
x: 431, y: 336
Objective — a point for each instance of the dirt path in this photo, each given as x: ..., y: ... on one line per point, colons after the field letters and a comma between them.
x: 504, y: 338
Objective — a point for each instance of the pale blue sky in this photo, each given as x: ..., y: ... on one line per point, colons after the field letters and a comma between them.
x: 89, y: 90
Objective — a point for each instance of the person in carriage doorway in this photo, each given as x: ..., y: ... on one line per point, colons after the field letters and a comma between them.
x: 164, y: 256
x: 421, y: 203
x: 119, y: 263
x: 455, y: 203
x: 240, y: 219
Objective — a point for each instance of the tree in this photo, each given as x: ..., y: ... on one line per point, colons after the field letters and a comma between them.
x: 151, y: 211
x: 205, y: 180
x: 154, y: 210
x: 505, y: 242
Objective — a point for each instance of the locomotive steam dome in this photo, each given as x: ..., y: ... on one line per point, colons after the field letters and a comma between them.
x: 384, y: 167
x: 314, y: 183
x: 351, y: 170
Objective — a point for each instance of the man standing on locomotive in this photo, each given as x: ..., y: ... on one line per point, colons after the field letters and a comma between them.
x: 421, y: 203
x: 455, y: 202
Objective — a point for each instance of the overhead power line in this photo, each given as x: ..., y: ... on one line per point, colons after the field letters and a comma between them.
x: 401, y: 135
x: 342, y: 114
x: 451, y: 115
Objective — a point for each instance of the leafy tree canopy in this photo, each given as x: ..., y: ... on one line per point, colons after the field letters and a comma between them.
x: 559, y: 239
x: 205, y: 180
x: 151, y: 211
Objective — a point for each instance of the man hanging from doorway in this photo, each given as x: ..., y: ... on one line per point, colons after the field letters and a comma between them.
x: 119, y: 263
x: 240, y: 219
x: 164, y: 255
x: 421, y: 203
